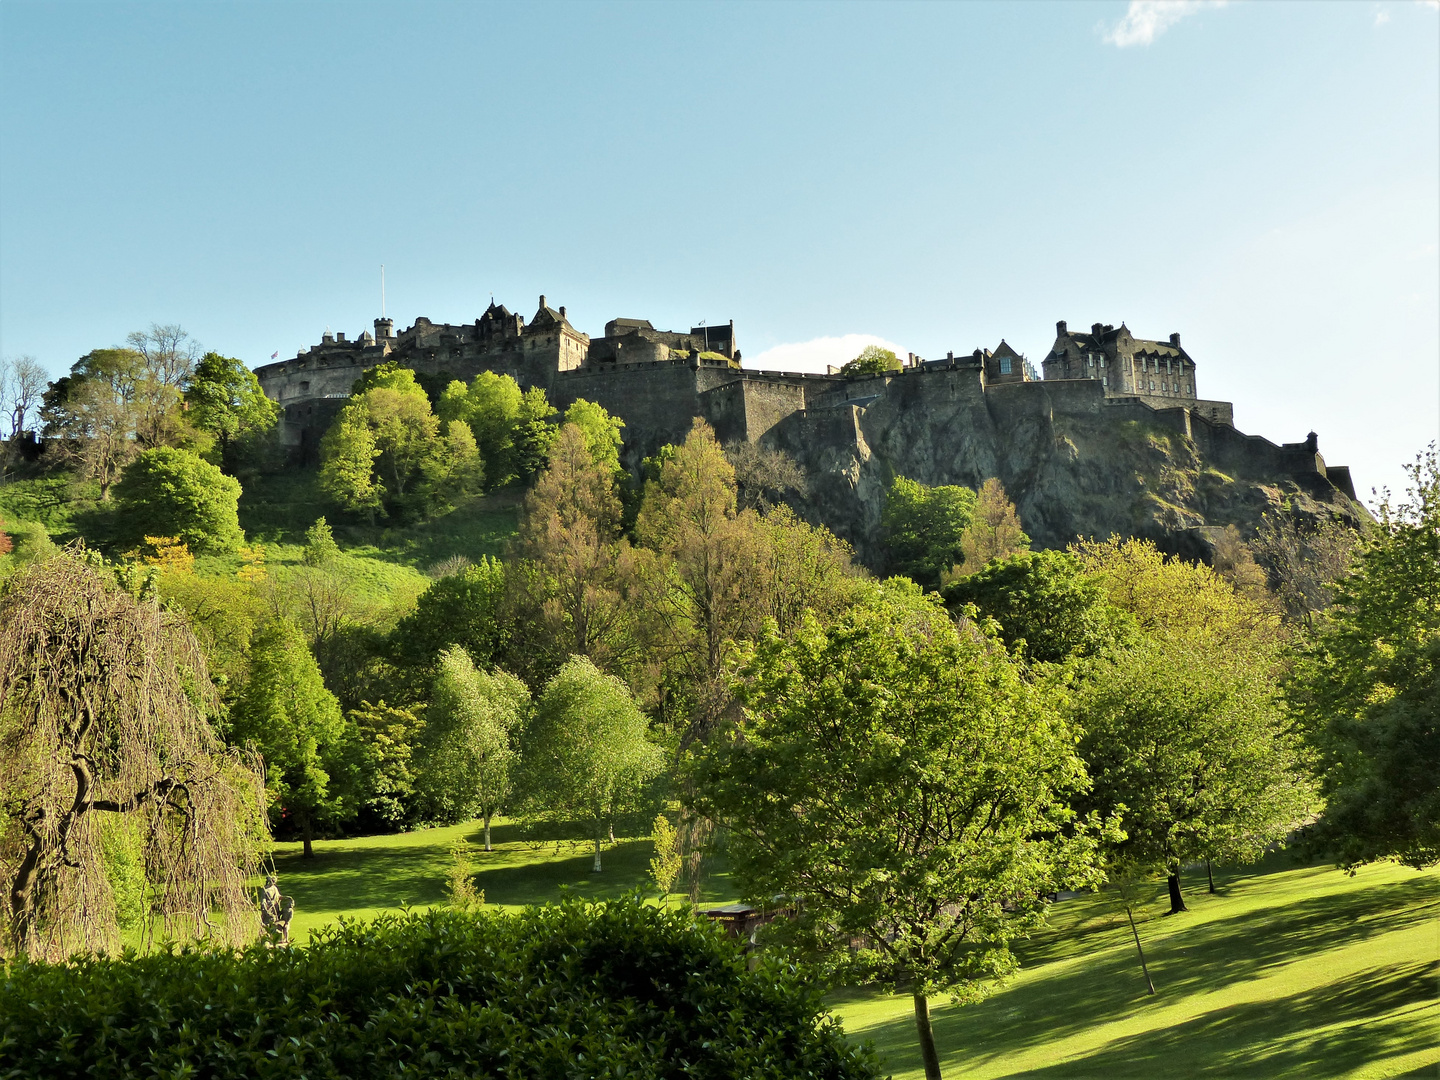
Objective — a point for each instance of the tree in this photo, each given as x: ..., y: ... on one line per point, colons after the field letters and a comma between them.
x: 601, y: 433
x: 105, y: 716
x: 465, y: 609
x: 176, y: 493
x: 467, y: 753
x: 1184, y: 726
x: 1191, y: 745
x: 491, y: 406
x: 287, y: 714
x: 922, y: 528
x: 168, y: 354
x: 908, y: 792
x: 380, y: 760
x: 1367, y: 687
x: 873, y: 360
x: 764, y: 478
x: 1303, y: 561
x: 994, y: 531
x: 535, y: 433
x: 94, y: 412
x: 570, y: 536
x: 320, y: 546
x: 701, y: 556
x: 224, y: 398
x: 587, y: 756
x: 22, y: 383
x: 386, y: 450
x: 665, y: 865
x: 1045, y: 604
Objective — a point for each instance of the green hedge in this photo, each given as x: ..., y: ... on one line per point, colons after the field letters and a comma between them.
x: 570, y: 990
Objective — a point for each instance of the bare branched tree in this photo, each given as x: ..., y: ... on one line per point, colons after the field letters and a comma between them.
x: 169, y: 355
x: 104, y: 726
x: 22, y: 382
x: 764, y: 478
x: 1303, y: 560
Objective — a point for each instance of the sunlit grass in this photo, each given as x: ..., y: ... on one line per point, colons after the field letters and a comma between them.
x: 1285, y: 972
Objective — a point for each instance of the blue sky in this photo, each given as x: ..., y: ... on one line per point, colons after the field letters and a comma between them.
x: 1262, y: 177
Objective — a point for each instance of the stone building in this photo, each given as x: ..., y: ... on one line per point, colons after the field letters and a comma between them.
x: 1158, y: 372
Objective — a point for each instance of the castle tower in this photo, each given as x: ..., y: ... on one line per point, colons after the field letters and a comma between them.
x: 384, y: 328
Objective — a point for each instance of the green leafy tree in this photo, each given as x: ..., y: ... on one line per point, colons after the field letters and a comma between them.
x: 492, y: 406
x: 386, y: 450
x: 535, y: 433
x: 1184, y: 726
x: 467, y: 609
x: 909, y: 789
x: 467, y: 755
x: 601, y: 432
x: 666, y: 862
x: 294, y: 721
x: 1368, y: 687
x: 922, y: 528
x: 588, y: 758
x: 224, y: 398
x: 320, y: 546
x: 873, y: 360
x: 577, y: 561
x: 93, y: 413
x: 381, y: 763
x: 170, y: 492
x: 1045, y: 604
x: 1192, y: 746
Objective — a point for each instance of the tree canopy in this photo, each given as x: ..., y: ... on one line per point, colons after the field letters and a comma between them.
x: 224, y: 398
x: 873, y: 360
x: 923, y: 527
x: 587, y: 754
x: 170, y: 492
x: 1368, y: 685
x: 907, y: 788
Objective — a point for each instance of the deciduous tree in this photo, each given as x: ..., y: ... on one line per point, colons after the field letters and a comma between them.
x: 1368, y: 687
x: 873, y: 360
x: 105, y: 713
x: 224, y: 398
x: 994, y: 531
x: 922, y: 528
x: 907, y: 790
x: 176, y: 493
x: 287, y: 714
x: 587, y: 755
x: 466, y: 758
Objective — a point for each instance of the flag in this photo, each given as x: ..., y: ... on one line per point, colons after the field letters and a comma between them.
x: 274, y: 354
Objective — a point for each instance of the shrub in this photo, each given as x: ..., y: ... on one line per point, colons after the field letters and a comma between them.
x: 614, y: 989
x: 169, y: 492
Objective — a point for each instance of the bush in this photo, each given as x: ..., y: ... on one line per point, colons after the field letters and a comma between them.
x: 169, y: 492
x: 574, y: 989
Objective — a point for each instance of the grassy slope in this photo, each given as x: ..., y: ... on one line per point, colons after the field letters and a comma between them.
x: 1286, y: 972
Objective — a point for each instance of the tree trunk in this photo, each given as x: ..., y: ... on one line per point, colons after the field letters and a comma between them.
x: 927, y: 1038
x: 1177, y: 902
x: 1210, y: 875
x: 307, y: 835
x: 487, y: 832
x: 597, y: 854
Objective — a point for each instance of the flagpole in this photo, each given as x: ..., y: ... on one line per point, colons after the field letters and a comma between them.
x: 382, y: 290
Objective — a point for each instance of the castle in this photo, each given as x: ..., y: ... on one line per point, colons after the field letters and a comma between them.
x: 946, y: 420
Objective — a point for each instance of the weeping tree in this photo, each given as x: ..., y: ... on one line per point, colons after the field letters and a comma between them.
x: 107, y: 751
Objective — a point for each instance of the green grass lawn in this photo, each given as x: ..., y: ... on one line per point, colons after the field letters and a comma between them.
x: 368, y: 875
x: 1284, y: 972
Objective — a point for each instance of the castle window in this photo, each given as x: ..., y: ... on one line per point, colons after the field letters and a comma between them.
x: 1004, y: 365
x: 1152, y: 384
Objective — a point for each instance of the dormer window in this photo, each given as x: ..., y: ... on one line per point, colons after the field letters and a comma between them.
x: 1004, y: 365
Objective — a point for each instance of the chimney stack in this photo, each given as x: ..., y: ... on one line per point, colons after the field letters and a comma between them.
x: 1060, y: 328
x: 1095, y: 329
x: 1175, y: 340
x: 562, y: 311
x: 542, y: 301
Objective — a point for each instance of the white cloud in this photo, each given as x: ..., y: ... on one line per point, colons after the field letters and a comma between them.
x: 1148, y: 19
x: 1382, y: 16
x: 1435, y: 4
x: 814, y: 355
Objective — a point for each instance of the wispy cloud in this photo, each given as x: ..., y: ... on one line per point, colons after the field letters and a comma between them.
x: 1382, y: 16
x: 814, y: 355
x: 1145, y: 20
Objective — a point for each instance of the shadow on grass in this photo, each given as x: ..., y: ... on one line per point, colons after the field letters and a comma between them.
x: 1210, y: 956
x: 1282, y: 1037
